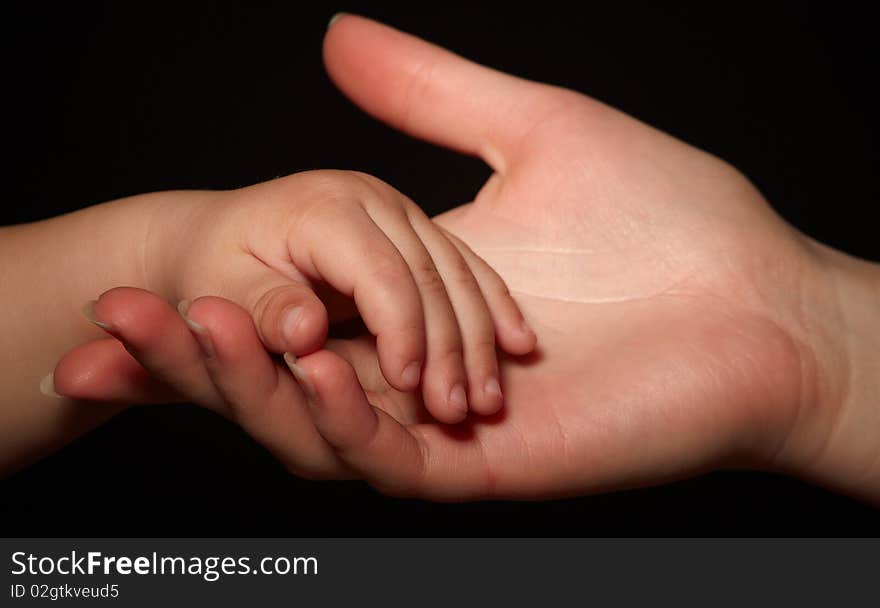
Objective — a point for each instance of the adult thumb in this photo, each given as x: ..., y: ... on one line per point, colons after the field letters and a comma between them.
x: 433, y: 94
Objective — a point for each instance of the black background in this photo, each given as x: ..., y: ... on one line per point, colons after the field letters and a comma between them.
x: 104, y: 101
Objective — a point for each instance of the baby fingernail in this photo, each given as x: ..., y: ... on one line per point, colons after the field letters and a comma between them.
x: 492, y: 387
x: 458, y: 398
x: 88, y: 311
x: 411, y: 373
x: 290, y: 320
x: 199, y: 331
x: 47, y: 386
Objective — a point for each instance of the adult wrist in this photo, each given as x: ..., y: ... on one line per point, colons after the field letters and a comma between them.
x: 836, y: 440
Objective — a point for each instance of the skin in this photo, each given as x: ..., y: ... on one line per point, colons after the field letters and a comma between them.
x: 682, y: 326
x: 268, y: 248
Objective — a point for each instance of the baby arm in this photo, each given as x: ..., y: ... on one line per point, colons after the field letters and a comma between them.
x: 424, y: 295
x: 47, y: 270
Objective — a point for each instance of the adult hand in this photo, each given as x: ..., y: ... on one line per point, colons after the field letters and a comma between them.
x: 682, y: 326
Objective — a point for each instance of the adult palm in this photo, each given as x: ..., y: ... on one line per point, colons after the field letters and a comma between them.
x: 666, y: 295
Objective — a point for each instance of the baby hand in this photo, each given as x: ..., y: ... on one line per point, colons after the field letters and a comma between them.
x: 435, y: 308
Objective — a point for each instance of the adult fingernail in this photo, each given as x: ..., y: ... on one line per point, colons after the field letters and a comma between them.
x: 492, y: 387
x: 458, y: 398
x: 290, y: 320
x: 301, y: 376
x: 199, y: 331
x: 88, y: 311
x: 47, y: 386
x: 335, y: 18
x: 411, y: 373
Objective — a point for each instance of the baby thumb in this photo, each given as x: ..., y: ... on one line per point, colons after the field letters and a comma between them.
x: 290, y: 318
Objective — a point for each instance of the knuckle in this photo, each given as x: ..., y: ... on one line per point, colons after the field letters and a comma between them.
x: 450, y: 354
x: 462, y: 278
x: 389, y: 269
x: 457, y: 265
x: 483, y: 342
x: 325, y: 198
x: 497, y: 288
x: 428, y: 278
x: 329, y: 184
x: 264, y: 306
x: 373, y: 192
x: 423, y: 75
